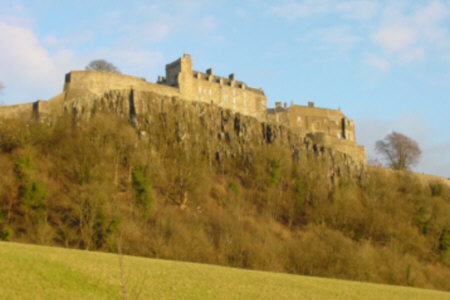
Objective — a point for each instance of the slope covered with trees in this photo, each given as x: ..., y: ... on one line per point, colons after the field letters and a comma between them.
x: 148, y: 188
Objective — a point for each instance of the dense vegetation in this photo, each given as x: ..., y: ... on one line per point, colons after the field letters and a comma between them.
x: 102, y: 185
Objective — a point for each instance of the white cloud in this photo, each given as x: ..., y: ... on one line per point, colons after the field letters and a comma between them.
x: 25, y: 62
x: 241, y: 13
x: 14, y: 13
x: 207, y: 23
x: 73, y: 40
x: 292, y: 10
x: 29, y: 70
x: 395, y: 38
x: 156, y: 32
x: 356, y: 9
x: 411, y: 31
x: 403, y: 32
x: 361, y: 10
x: 412, y: 55
x: 336, y: 38
x: 432, y: 14
x: 377, y: 62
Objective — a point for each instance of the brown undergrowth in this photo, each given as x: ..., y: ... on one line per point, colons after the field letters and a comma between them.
x: 81, y: 185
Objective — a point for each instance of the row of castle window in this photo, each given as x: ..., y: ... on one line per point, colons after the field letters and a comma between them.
x: 225, y: 99
x: 225, y: 91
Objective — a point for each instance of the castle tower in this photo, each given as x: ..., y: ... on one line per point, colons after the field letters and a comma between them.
x: 179, y: 74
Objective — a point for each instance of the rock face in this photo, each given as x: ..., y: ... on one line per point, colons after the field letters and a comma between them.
x: 219, y: 133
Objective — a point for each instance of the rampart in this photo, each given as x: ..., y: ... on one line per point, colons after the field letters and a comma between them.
x: 80, y: 83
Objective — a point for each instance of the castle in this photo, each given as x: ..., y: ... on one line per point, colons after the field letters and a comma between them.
x: 325, y: 126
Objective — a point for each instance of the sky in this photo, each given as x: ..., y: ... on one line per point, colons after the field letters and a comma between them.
x: 385, y: 64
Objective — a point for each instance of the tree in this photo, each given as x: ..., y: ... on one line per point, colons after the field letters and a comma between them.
x: 400, y: 151
x: 102, y: 65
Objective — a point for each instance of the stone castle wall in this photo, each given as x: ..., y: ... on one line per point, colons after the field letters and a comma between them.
x: 17, y: 111
x: 80, y: 83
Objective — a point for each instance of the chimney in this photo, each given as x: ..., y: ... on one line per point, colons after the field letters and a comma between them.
x: 277, y: 104
x: 285, y: 105
x: 231, y: 76
x: 310, y: 104
x: 210, y: 71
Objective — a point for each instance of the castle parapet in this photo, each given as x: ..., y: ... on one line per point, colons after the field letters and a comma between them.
x: 81, y: 83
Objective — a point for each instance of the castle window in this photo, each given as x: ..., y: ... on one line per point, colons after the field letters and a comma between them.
x: 245, y: 95
x: 210, y: 92
x: 203, y: 99
x: 225, y: 98
x: 234, y: 92
x: 245, y: 103
x: 299, y: 119
x: 278, y: 118
x: 200, y: 89
x: 225, y: 91
x: 234, y: 100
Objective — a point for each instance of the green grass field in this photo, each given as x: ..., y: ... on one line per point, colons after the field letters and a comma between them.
x: 37, y: 272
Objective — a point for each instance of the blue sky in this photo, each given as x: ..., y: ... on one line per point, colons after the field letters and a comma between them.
x: 386, y: 64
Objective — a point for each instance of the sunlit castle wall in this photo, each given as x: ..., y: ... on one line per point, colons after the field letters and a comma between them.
x: 206, y: 87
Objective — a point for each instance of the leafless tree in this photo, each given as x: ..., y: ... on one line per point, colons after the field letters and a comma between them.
x: 400, y: 151
x: 102, y: 65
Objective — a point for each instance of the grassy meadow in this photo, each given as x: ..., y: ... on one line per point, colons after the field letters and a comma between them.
x: 38, y: 272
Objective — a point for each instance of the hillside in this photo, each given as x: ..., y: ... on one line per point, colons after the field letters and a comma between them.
x: 35, y: 272
x: 195, y: 182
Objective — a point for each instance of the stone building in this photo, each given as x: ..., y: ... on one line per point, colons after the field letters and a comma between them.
x: 226, y: 92
x: 308, y: 119
x: 329, y: 127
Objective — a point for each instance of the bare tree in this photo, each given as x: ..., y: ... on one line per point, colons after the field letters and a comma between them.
x: 102, y: 65
x: 400, y: 151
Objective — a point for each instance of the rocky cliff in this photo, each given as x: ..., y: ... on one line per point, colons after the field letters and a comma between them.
x: 220, y: 134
